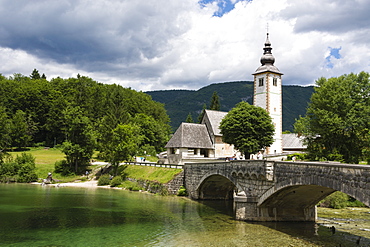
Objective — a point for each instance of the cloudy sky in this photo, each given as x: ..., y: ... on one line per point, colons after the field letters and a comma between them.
x: 183, y: 44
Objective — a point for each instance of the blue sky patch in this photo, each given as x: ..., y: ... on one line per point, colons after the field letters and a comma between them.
x: 224, y: 6
x: 334, y: 53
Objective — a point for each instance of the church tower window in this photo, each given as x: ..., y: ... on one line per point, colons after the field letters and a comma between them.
x: 274, y: 81
x: 260, y: 82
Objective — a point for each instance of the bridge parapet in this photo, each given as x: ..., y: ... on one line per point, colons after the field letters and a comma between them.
x: 253, y: 169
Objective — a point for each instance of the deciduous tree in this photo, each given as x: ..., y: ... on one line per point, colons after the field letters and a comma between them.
x: 123, y: 145
x: 249, y: 128
x: 20, y: 130
x: 5, y: 128
x: 155, y: 134
x: 337, y: 121
x: 80, y: 139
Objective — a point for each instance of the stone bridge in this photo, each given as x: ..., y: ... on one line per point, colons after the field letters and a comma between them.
x: 265, y: 190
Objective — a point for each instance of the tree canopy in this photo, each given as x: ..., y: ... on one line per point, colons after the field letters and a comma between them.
x: 337, y: 123
x: 249, y: 128
x: 76, y: 112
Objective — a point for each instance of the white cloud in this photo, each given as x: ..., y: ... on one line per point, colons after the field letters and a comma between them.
x: 168, y: 44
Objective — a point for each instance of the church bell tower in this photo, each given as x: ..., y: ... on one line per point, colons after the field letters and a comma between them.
x: 268, y: 94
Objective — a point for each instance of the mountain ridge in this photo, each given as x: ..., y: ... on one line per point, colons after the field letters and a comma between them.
x: 180, y: 102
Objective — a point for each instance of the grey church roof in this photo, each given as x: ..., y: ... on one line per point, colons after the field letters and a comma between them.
x: 214, y: 118
x: 292, y: 141
x: 190, y: 135
x: 267, y: 68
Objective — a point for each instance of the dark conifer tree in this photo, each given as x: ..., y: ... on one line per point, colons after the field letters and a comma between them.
x: 35, y: 74
x: 215, y: 102
x: 200, y: 117
x: 189, y: 118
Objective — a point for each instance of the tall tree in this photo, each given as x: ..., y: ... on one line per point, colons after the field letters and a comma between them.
x: 80, y: 139
x: 215, y: 102
x: 5, y: 128
x: 123, y: 145
x: 35, y: 75
x: 249, y: 128
x: 201, y: 115
x: 189, y: 118
x: 154, y: 133
x: 20, y: 130
x: 337, y: 121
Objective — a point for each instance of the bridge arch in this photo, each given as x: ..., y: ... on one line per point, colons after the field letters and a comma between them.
x: 310, y: 189
x: 215, y: 186
x: 295, y: 200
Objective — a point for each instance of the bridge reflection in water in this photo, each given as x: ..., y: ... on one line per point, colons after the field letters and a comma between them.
x: 265, y: 190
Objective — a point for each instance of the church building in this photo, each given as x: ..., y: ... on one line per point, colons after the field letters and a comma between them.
x: 195, y: 142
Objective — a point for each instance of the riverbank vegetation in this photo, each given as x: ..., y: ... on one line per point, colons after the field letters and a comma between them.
x: 20, y: 169
x: 79, y: 115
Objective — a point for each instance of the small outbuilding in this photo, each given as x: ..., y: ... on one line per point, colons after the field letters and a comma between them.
x: 199, y: 142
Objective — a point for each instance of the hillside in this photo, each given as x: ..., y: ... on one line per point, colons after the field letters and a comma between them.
x: 179, y: 103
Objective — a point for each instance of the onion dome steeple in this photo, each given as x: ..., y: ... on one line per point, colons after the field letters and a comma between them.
x: 267, y: 59
x: 267, y: 55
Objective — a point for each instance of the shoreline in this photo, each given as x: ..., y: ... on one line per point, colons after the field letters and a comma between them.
x: 86, y: 184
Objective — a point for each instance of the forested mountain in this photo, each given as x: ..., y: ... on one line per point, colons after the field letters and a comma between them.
x: 179, y: 103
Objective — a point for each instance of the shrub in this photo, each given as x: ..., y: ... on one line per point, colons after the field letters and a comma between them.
x: 299, y: 156
x: 21, y: 169
x: 104, y: 180
x: 63, y: 168
x: 26, y: 173
x: 116, y: 181
x: 352, y: 202
x: 182, y: 191
x: 25, y: 158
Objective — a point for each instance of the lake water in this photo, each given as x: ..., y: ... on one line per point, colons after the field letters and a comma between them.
x: 34, y: 215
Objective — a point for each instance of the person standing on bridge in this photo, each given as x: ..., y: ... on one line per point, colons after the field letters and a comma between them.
x: 259, y: 156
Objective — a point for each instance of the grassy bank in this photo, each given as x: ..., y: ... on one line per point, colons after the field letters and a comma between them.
x: 46, y: 157
x: 157, y: 174
x: 146, y: 178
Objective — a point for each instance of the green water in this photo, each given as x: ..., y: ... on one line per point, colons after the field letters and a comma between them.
x: 33, y: 215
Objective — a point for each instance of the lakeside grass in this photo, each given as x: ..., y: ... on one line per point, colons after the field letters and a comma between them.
x: 158, y: 174
x: 45, y: 159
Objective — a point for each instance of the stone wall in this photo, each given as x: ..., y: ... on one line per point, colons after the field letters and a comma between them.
x: 174, y: 185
